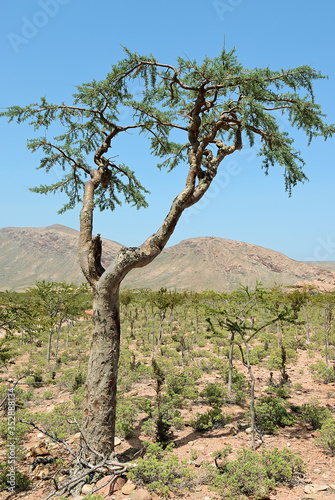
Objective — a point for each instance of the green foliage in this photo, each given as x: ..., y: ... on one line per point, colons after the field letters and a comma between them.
x: 275, y: 361
x: 22, y: 482
x: 243, y: 476
x: 92, y: 120
x: 181, y: 384
x: 281, y: 392
x: 125, y: 417
x: 239, y: 380
x: 282, y: 465
x: 21, y: 430
x: 209, y: 420
x: 314, y: 413
x: 7, y: 353
x: 56, y: 422
x: 323, y: 373
x: 214, y: 394
x: 270, y: 413
x: 49, y: 394
x: 251, y: 474
x: 79, y: 380
x: 161, y: 471
x: 327, y: 435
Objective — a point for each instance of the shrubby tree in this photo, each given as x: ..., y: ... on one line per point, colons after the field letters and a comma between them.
x: 56, y: 303
x: 244, y: 315
x: 193, y: 114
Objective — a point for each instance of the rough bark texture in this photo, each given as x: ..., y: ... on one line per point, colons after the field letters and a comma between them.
x: 101, y: 382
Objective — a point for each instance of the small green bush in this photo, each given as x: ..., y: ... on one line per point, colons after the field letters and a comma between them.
x: 245, y: 476
x: 314, y: 413
x: 270, y: 413
x: 251, y: 474
x: 161, y: 471
x: 49, y: 394
x: 35, y: 379
x: 125, y: 418
x: 214, y: 394
x: 22, y: 482
x: 181, y: 384
x: 282, y: 465
x: 281, y: 391
x: 327, y: 435
x: 322, y: 373
x: 209, y: 420
x: 21, y: 430
x: 79, y: 380
x: 239, y: 380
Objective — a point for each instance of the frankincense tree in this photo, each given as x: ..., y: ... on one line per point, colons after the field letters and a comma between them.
x: 213, y: 109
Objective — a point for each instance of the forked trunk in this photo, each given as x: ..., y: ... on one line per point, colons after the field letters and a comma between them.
x: 101, y: 382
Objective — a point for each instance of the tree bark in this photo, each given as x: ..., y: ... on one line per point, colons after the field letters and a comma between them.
x: 231, y: 364
x: 49, y: 345
x: 101, y: 382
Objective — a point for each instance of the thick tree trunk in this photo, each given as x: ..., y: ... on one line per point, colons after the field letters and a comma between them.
x: 101, y: 382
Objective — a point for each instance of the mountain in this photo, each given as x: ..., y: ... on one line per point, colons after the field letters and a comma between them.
x: 50, y: 253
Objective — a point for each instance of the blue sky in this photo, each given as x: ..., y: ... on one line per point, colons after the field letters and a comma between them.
x: 50, y: 46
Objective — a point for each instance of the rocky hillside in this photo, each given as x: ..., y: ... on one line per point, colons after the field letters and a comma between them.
x: 46, y: 253
x: 50, y: 253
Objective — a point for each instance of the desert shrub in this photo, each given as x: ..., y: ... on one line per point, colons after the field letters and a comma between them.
x: 181, y: 384
x: 56, y: 421
x: 207, y: 365
x: 201, y: 342
x: 314, y: 413
x: 322, y: 373
x: 194, y: 372
x: 161, y: 420
x: 48, y: 394
x: 125, y: 418
x: 21, y: 397
x: 240, y: 397
x: 78, y: 398
x: 79, y: 380
x: 282, y: 465
x: 243, y: 476
x: 271, y: 413
x: 255, y: 475
x: 281, y: 391
x: 327, y: 435
x: 21, y: 430
x: 22, y: 482
x: 257, y: 354
x: 161, y: 471
x: 214, y: 394
x: 239, y: 380
x: 209, y: 420
x: 162, y: 411
x: 35, y: 379
x: 71, y: 379
x: 275, y: 361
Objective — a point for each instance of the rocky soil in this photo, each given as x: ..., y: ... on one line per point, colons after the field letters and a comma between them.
x: 318, y: 482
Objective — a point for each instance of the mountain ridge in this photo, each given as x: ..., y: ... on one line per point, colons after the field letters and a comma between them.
x: 203, y: 263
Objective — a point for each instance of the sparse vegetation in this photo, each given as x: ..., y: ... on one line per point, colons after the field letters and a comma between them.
x: 161, y: 471
x: 160, y: 399
x: 254, y: 475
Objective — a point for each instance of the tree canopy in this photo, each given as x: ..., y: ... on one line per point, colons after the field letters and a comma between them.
x: 190, y: 112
